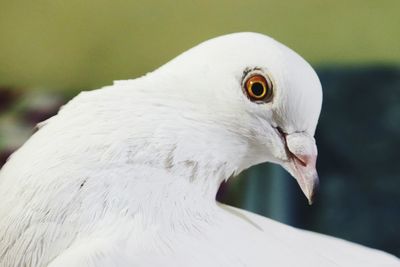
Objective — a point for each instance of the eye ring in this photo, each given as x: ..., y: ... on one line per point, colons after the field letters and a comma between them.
x: 258, y: 88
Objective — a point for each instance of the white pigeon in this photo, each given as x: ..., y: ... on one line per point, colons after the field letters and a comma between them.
x: 127, y: 175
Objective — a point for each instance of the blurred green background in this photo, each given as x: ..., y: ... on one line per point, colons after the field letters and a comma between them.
x: 50, y: 50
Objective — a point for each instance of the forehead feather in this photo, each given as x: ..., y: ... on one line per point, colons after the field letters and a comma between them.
x: 223, y: 60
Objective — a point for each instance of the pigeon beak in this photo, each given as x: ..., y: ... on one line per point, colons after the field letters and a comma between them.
x: 302, y: 154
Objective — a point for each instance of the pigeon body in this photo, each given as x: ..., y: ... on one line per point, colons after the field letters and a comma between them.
x: 127, y: 175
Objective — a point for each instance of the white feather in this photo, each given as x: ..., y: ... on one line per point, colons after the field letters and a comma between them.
x: 127, y: 175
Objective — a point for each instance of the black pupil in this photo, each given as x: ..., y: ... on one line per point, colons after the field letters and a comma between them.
x: 257, y: 89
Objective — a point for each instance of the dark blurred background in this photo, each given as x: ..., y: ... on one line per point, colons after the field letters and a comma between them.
x: 51, y: 50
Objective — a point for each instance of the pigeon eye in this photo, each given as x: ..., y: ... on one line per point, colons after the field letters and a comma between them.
x: 258, y: 88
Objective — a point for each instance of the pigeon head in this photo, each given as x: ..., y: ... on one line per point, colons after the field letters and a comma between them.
x: 259, y: 100
x: 225, y: 105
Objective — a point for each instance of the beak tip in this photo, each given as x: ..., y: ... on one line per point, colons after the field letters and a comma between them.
x: 310, y: 200
x: 311, y: 195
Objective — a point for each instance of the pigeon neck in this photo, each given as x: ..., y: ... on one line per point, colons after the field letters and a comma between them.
x: 159, y: 193
x: 158, y: 179
x: 184, y: 179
